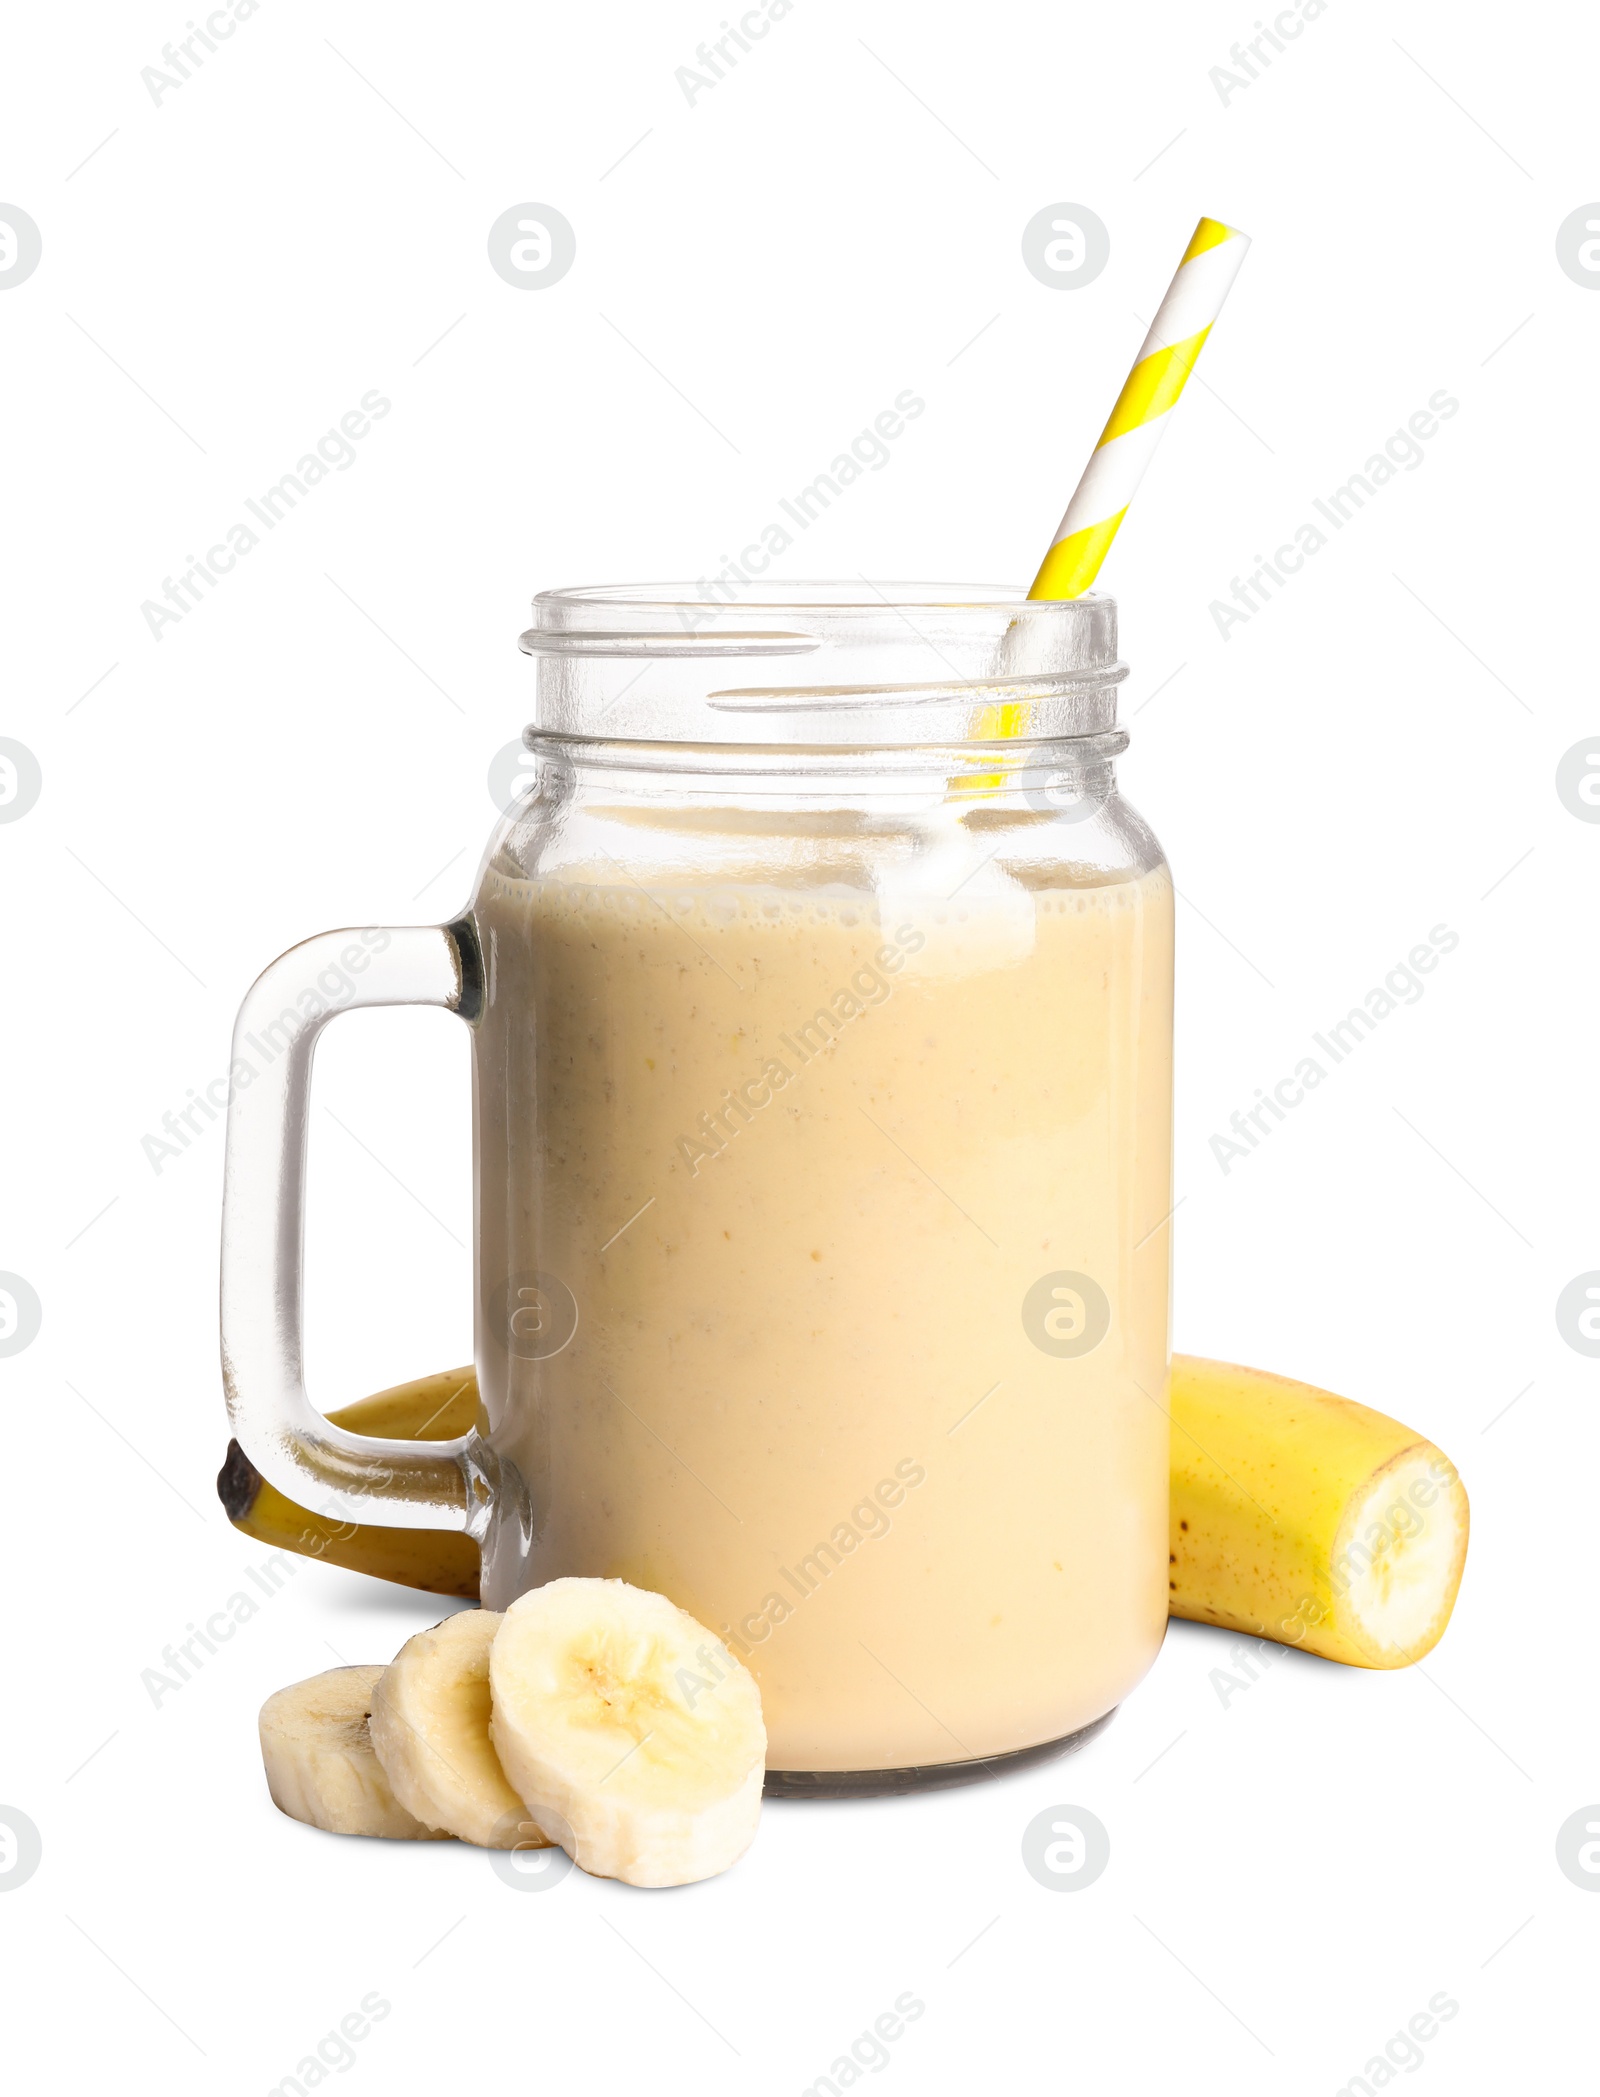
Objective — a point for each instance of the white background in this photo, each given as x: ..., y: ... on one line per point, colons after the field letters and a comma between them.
x: 1371, y: 755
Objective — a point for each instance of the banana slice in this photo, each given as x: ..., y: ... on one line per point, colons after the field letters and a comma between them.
x: 630, y: 1729
x: 430, y: 1730
x: 320, y: 1766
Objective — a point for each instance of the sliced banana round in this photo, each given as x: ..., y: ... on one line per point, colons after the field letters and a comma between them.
x: 321, y: 1769
x: 430, y: 1730
x: 628, y: 1729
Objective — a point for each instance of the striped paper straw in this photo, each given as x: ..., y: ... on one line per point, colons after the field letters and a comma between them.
x: 1143, y: 410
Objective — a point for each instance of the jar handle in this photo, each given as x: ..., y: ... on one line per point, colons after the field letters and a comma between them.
x: 347, y: 1477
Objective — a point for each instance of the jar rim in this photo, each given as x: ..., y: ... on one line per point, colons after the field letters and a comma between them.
x: 851, y: 662
x: 845, y: 594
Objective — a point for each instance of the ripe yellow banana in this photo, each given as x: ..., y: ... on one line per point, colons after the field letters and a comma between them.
x: 1309, y: 1519
x: 433, y: 1409
x: 1296, y: 1515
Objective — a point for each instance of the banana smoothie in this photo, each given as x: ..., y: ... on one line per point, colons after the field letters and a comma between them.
x: 823, y: 1284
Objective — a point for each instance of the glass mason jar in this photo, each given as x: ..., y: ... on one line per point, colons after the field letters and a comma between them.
x: 820, y: 986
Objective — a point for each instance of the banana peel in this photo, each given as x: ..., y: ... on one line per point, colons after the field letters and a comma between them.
x: 1297, y: 1516
x: 440, y: 1561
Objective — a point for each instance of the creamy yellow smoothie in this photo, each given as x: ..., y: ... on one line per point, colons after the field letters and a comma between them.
x: 787, y: 1199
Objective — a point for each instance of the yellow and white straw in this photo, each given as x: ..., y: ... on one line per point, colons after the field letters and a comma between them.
x: 1143, y: 410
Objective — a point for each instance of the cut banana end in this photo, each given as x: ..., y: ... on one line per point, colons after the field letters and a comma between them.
x: 430, y: 1730
x: 1308, y: 1518
x: 320, y: 1766
x: 630, y: 1729
x: 1399, y: 1557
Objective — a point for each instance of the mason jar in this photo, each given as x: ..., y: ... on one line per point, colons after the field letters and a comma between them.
x: 820, y: 990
